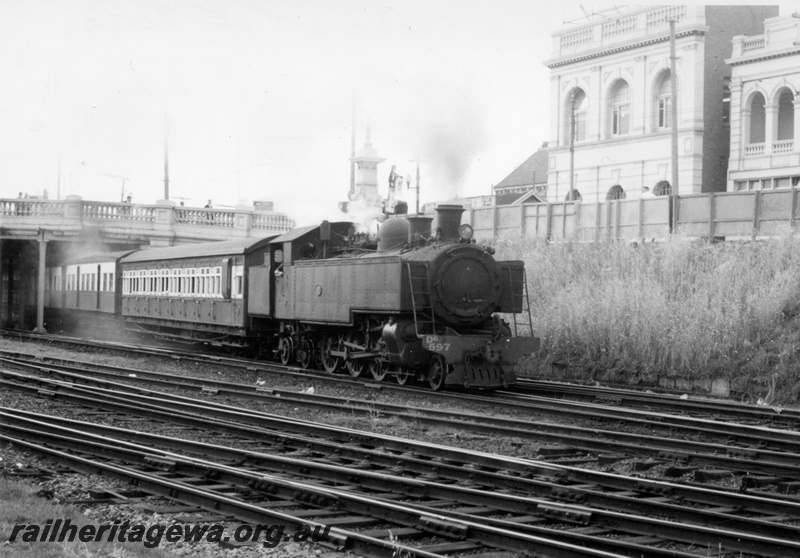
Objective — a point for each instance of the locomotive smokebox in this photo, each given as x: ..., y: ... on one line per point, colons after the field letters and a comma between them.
x: 448, y: 219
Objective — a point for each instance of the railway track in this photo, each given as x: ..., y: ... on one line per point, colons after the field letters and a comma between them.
x: 592, y: 498
x: 716, y: 409
x: 527, y: 390
x: 756, y: 450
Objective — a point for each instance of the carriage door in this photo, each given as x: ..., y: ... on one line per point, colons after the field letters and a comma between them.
x: 280, y: 274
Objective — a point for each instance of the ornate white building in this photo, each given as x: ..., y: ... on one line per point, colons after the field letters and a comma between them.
x: 611, y: 101
x: 765, y: 81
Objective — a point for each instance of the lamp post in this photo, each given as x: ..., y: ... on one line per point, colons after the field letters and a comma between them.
x: 408, y: 183
x: 124, y: 179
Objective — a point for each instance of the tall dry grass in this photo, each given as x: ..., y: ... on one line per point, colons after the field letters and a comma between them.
x: 677, y: 308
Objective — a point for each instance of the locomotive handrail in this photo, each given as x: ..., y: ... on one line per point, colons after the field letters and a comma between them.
x: 415, y: 306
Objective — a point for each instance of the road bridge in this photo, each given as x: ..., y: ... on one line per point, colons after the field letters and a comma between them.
x: 35, y: 233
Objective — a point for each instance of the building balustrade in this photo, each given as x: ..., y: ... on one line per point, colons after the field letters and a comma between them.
x: 783, y: 146
x: 754, y: 43
x: 755, y: 149
x: 612, y: 30
x: 661, y: 16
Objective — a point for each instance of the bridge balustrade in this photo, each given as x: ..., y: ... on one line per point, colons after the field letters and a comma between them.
x: 271, y: 222
x: 205, y: 217
x: 118, y: 211
x: 162, y: 223
x: 34, y: 208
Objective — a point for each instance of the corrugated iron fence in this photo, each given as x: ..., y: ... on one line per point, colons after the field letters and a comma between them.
x: 730, y: 214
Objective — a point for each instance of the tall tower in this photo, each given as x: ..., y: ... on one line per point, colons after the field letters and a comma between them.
x: 366, y: 179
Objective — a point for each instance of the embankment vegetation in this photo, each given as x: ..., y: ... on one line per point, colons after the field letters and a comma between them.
x: 682, y: 309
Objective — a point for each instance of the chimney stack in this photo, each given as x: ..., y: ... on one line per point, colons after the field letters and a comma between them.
x: 448, y: 219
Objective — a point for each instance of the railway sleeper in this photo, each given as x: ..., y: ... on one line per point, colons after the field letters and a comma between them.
x: 562, y: 513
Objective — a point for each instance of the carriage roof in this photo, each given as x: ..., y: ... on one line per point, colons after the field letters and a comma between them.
x: 222, y: 248
x: 99, y: 257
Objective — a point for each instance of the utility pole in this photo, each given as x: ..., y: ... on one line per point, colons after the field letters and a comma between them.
x: 166, y: 173
x: 166, y: 167
x: 353, y: 150
x: 124, y: 179
x: 673, y: 82
x: 571, y: 145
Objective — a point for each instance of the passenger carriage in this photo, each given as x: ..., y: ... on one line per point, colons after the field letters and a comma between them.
x: 193, y: 292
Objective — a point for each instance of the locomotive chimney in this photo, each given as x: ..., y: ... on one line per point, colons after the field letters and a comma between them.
x: 448, y: 219
x: 419, y: 227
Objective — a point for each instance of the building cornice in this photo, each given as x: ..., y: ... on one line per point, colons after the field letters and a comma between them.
x: 764, y: 56
x: 621, y: 47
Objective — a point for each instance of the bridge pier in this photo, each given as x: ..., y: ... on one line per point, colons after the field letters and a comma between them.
x: 42, y: 277
x: 3, y: 294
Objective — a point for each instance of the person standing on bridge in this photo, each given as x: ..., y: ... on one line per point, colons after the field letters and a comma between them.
x: 126, y: 210
x: 209, y: 215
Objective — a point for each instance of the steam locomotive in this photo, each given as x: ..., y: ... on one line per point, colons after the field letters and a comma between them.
x: 416, y: 302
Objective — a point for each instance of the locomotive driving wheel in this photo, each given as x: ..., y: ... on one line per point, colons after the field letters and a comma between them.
x: 354, y: 365
x: 330, y: 362
x: 285, y: 350
x: 377, y: 366
x: 403, y: 375
x: 377, y: 370
x: 305, y: 353
x: 437, y: 372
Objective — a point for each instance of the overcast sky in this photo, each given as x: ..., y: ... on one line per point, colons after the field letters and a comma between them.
x: 255, y: 97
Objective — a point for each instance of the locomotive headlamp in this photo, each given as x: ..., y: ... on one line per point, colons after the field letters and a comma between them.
x: 465, y: 232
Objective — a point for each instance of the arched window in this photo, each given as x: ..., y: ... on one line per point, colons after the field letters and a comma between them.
x: 615, y: 193
x: 576, y: 196
x: 575, y: 118
x: 758, y: 119
x: 619, y: 106
x: 786, y: 115
x: 662, y: 188
x: 663, y: 101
